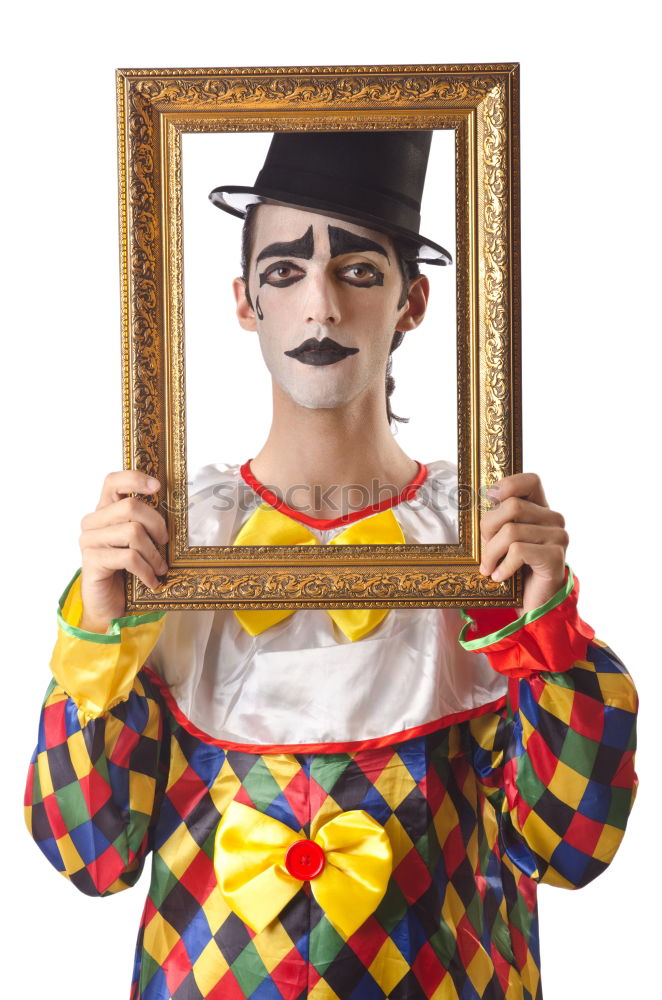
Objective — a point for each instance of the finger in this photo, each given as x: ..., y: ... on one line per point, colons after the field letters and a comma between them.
x: 523, y: 484
x: 125, y: 510
x: 102, y: 562
x: 119, y: 484
x: 520, y: 511
x: 511, y: 533
x: 128, y: 535
x: 545, y: 560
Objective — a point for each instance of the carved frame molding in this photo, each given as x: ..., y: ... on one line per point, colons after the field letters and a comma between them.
x: 481, y: 104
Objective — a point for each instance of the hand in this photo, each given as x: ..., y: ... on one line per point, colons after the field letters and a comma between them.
x: 120, y: 535
x: 523, y: 531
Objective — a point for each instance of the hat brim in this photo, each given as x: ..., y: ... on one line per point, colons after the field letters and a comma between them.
x: 236, y: 199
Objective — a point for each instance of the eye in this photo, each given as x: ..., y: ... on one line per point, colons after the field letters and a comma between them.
x: 283, y: 271
x: 281, y: 274
x: 362, y: 274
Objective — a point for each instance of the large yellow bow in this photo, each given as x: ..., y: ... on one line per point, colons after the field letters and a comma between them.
x: 261, y: 864
x: 268, y: 526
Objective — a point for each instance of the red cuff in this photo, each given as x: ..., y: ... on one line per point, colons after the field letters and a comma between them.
x: 551, y: 639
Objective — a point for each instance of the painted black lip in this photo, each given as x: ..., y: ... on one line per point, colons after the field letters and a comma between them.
x: 320, y: 352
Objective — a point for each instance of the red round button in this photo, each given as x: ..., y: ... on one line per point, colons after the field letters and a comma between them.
x: 305, y: 860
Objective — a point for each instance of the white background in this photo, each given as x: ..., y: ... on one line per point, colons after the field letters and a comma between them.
x: 590, y: 248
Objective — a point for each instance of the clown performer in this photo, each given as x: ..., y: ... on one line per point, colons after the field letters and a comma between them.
x: 341, y: 805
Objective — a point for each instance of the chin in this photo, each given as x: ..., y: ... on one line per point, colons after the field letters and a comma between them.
x: 320, y: 397
x: 320, y: 401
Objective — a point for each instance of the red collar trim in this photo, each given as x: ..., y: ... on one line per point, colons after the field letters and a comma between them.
x: 333, y: 522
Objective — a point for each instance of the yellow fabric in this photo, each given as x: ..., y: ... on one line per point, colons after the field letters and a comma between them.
x: 99, y: 674
x: 268, y: 526
x: 72, y: 609
x: 249, y: 858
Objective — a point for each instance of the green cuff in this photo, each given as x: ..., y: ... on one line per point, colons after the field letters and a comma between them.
x: 530, y: 616
x: 113, y: 635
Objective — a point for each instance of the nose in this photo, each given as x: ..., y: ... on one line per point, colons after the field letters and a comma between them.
x: 322, y: 305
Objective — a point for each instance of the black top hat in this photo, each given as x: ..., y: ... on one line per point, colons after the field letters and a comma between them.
x: 375, y: 178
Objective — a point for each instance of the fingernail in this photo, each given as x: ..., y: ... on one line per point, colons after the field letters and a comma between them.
x: 153, y: 484
x: 496, y: 575
x: 481, y: 569
x: 163, y: 567
x: 493, y: 493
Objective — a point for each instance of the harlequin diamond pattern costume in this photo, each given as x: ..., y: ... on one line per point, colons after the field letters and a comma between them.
x: 335, y: 808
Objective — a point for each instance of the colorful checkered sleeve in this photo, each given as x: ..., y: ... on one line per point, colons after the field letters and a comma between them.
x: 558, y: 762
x: 94, y: 787
x: 98, y: 769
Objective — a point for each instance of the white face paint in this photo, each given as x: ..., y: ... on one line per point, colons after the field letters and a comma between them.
x: 313, y: 277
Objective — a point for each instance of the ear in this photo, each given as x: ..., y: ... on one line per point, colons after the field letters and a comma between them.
x: 245, y: 312
x: 413, y: 311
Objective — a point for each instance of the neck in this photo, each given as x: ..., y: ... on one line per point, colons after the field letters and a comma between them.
x: 340, y: 459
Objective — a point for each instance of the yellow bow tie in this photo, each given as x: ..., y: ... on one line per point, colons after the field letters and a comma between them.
x: 261, y: 864
x: 268, y: 526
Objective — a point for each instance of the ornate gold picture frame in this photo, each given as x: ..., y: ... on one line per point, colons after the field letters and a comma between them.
x: 156, y: 109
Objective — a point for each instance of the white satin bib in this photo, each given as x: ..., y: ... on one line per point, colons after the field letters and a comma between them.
x: 302, y: 682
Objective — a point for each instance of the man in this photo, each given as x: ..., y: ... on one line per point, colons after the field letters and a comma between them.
x: 339, y: 804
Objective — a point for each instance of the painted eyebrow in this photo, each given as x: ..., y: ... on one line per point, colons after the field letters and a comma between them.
x: 303, y: 247
x: 342, y: 241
